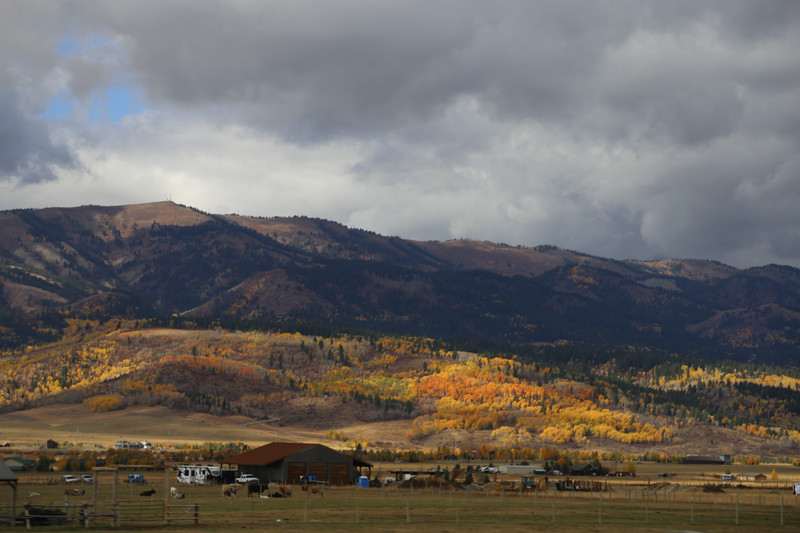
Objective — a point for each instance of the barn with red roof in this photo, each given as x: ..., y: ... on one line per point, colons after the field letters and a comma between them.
x: 293, y: 462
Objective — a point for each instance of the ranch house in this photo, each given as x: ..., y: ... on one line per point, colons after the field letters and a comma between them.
x: 293, y: 462
x: 751, y: 477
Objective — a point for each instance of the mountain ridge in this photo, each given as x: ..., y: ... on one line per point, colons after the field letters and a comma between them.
x: 162, y: 258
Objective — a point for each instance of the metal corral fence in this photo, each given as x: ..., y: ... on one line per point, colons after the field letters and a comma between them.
x: 121, y: 515
x: 710, y: 507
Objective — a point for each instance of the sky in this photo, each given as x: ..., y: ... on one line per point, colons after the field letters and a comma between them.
x: 624, y: 129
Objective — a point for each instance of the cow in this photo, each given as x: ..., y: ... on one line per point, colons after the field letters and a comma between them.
x: 229, y: 491
x: 276, y: 490
x: 313, y: 489
x: 253, y: 488
x: 147, y: 492
x: 74, y: 492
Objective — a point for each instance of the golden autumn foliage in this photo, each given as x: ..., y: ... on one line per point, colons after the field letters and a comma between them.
x: 101, y: 404
x: 255, y: 373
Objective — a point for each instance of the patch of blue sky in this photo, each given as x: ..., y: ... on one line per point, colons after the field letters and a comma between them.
x: 60, y: 107
x: 114, y: 104
x: 108, y: 105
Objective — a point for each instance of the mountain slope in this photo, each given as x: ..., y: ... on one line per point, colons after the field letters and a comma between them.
x: 164, y: 259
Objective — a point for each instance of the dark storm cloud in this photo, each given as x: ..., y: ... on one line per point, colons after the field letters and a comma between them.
x: 28, y: 152
x: 621, y: 128
x: 315, y: 70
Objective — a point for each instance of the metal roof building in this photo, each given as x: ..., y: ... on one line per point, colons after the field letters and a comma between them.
x: 7, y: 476
x: 291, y: 462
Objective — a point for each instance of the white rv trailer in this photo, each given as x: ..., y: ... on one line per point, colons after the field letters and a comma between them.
x: 199, y: 474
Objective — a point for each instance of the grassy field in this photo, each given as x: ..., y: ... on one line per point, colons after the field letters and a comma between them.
x: 632, y: 505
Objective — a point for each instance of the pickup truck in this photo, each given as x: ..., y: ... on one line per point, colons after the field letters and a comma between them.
x: 134, y: 478
x: 247, y: 479
x: 69, y: 478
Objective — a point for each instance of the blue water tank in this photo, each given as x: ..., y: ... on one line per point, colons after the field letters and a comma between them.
x: 363, y: 482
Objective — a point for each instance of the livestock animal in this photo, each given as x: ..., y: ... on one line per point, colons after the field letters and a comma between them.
x: 229, y: 491
x: 276, y: 490
x: 147, y: 492
x: 175, y: 494
x: 74, y: 492
x: 313, y: 489
x: 253, y: 488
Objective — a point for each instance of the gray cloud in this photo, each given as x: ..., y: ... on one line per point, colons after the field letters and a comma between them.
x: 624, y: 129
x: 28, y: 152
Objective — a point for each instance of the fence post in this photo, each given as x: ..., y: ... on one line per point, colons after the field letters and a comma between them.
x: 95, y: 481
x: 196, y: 513
x: 600, y: 510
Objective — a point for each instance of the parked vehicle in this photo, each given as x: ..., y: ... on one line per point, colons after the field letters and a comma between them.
x: 247, y: 479
x: 87, y: 478
x: 205, y: 474
x: 134, y: 478
x: 69, y: 478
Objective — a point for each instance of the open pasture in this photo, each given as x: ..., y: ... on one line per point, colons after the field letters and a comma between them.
x: 665, y: 506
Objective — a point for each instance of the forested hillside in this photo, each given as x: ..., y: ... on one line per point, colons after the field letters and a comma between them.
x: 516, y: 401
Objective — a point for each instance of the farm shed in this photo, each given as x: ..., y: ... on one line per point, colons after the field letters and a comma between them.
x: 288, y: 462
x: 18, y: 464
x: 519, y: 470
x: 722, y: 459
x: 588, y: 469
x: 7, y: 476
